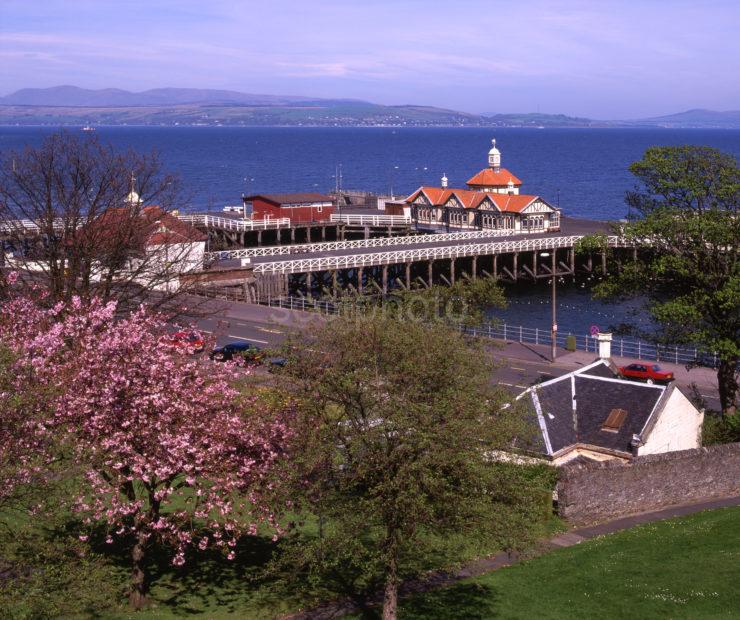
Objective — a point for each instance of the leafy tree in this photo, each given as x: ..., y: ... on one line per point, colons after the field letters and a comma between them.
x: 166, y: 450
x: 398, y: 422
x: 686, y: 212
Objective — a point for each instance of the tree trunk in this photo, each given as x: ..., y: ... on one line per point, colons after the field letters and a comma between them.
x: 727, y: 381
x: 390, y: 595
x: 139, y: 580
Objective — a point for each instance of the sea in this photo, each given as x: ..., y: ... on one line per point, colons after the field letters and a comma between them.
x: 584, y: 171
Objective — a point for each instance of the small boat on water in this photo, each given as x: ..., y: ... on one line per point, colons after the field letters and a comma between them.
x: 88, y: 128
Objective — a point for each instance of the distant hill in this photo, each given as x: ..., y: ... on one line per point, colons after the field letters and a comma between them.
x: 544, y: 120
x: 695, y: 119
x: 70, y: 106
x: 72, y: 96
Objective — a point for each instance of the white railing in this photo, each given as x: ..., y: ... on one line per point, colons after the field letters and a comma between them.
x: 328, y: 246
x: 228, y: 223
x: 406, y: 255
x: 372, y: 220
x: 29, y: 226
x: 620, y: 347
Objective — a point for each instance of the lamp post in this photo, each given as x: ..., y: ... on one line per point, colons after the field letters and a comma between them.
x: 553, y: 304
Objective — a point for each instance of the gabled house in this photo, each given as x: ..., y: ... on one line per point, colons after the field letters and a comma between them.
x: 592, y: 414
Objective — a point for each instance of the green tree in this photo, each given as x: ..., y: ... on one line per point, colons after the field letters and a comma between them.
x: 398, y: 425
x: 686, y: 211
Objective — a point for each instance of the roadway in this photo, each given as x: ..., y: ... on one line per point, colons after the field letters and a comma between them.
x: 518, y: 365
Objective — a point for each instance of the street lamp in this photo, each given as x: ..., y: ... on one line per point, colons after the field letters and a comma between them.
x: 553, y: 303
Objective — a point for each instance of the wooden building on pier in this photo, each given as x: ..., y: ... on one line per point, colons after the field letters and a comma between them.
x: 492, y: 201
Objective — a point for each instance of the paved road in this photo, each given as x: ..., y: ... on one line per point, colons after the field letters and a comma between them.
x: 519, y: 365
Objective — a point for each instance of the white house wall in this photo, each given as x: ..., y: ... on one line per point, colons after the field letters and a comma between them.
x: 678, y: 427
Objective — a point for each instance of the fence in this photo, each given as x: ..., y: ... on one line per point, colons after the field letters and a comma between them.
x: 228, y: 223
x: 372, y: 220
x: 621, y: 347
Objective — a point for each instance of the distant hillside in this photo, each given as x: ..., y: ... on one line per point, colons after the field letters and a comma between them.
x: 69, y: 105
x: 544, y: 120
x: 72, y: 96
x: 695, y: 119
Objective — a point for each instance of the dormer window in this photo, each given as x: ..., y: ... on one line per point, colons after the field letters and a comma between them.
x: 614, y: 421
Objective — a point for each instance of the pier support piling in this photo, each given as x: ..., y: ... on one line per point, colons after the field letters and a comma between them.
x: 408, y: 275
x: 384, y: 275
x: 360, y: 273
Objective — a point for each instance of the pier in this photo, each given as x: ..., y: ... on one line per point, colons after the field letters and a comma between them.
x: 411, y: 261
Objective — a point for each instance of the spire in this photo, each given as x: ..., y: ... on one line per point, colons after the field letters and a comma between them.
x: 444, y: 180
x: 494, y: 157
x: 133, y: 198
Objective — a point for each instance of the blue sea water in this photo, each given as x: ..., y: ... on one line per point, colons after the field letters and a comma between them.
x: 584, y: 170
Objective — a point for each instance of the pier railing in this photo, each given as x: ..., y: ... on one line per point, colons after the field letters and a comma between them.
x: 620, y: 347
x: 238, y: 225
x: 410, y: 254
x: 371, y: 220
x: 377, y: 242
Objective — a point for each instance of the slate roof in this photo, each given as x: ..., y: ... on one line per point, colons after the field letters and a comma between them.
x: 572, y: 409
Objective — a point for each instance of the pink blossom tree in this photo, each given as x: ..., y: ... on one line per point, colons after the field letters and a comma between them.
x: 170, y: 452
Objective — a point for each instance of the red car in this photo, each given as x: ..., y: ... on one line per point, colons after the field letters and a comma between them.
x: 186, y: 341
x: 650, y: 373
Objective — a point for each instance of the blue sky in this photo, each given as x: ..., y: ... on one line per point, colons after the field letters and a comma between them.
x: 603, y: 59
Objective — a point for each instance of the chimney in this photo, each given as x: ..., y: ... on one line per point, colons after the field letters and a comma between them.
x: 605, y: 346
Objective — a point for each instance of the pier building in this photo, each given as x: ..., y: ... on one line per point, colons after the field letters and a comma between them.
x: 492, y: 201
x: 298, y: 208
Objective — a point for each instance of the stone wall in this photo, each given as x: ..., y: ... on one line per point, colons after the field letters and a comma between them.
x: 593, y: 492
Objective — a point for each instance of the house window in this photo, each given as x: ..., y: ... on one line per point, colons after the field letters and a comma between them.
x: 318, y: 209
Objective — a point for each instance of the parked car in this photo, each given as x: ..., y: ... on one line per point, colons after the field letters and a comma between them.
x: 186, y: 341
x: 246, y: 353
x: 242, y: 350
x: 650, y: 373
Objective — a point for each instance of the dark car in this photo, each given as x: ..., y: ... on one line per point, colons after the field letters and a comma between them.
x: 242, y: 350
x: 650, y: 373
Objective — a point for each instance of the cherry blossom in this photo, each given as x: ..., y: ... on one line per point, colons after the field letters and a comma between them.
x: 170, y: 451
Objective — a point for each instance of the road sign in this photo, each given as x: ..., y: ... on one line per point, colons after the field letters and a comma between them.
x: 594, y: 331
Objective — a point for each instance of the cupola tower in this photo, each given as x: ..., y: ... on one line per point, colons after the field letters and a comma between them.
x: 494, y: 157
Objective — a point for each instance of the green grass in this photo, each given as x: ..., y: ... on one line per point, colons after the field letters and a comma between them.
x: 53, y: 574
x: 681, y: 568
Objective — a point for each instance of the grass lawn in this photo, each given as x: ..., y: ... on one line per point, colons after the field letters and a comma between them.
x: 686, y: 567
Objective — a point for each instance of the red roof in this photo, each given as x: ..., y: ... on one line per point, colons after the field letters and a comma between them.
x: 471, y: 199
x: 137, y: 228
x: 488, y: 177
x: 165, y: 228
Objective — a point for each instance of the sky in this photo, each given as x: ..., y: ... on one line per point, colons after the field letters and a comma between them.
x: 602, y: 59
